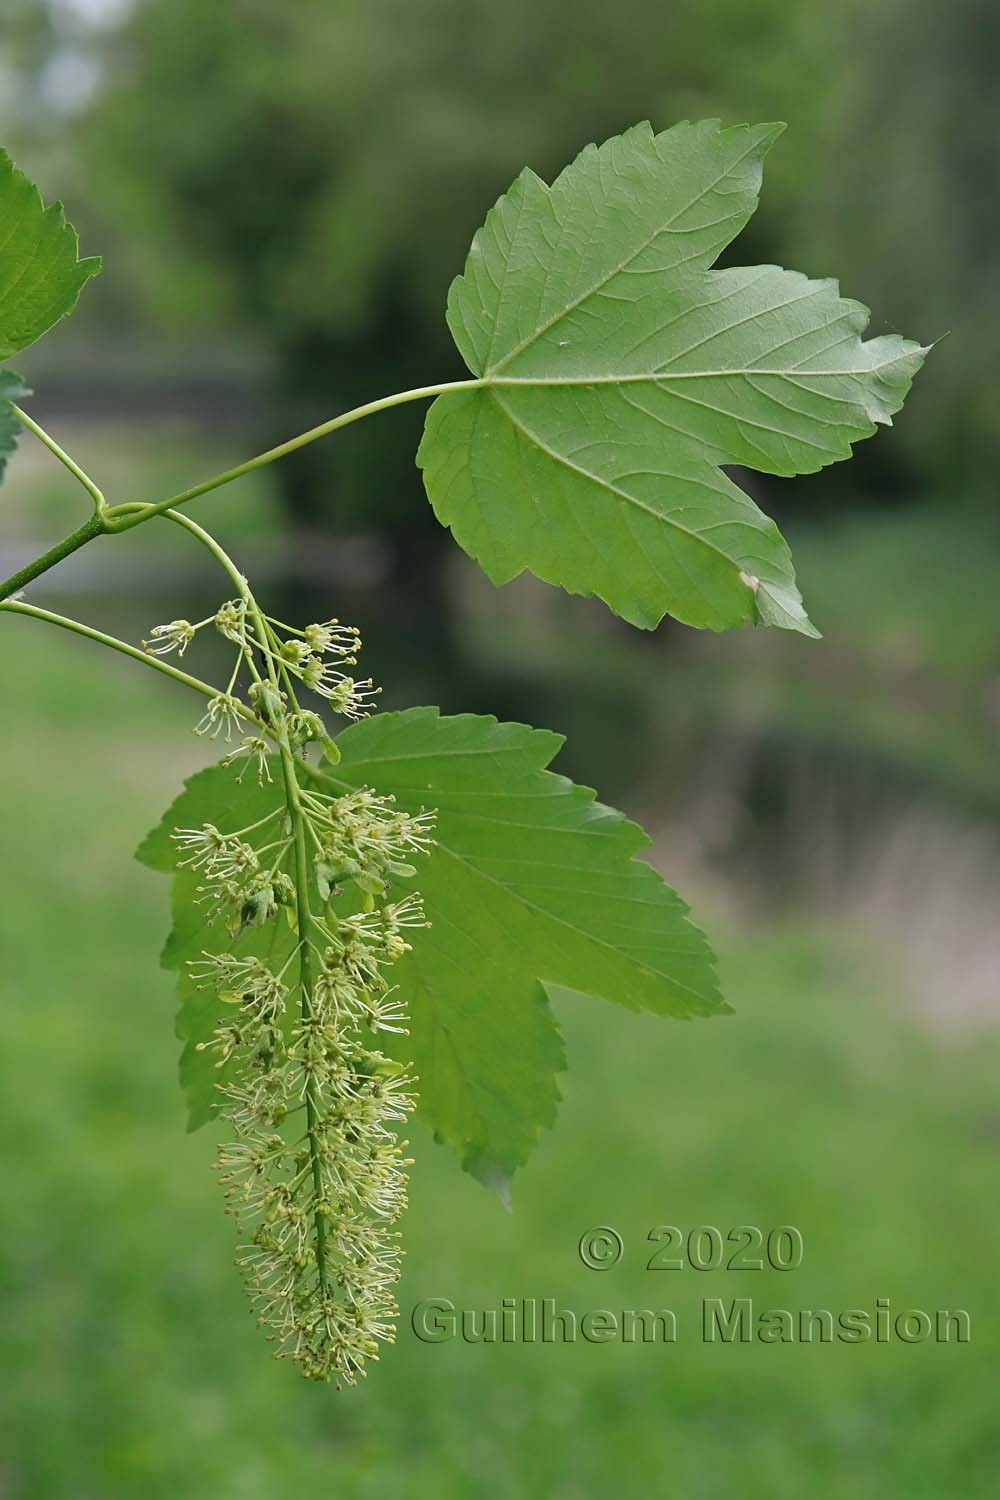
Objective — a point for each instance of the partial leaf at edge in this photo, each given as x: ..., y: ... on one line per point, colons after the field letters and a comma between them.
x: 41, y: 276
x: 12, y: 388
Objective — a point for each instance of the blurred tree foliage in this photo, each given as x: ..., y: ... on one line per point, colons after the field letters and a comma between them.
x: 905, y: 201
x: 312, y: 173
x: 317, y: 170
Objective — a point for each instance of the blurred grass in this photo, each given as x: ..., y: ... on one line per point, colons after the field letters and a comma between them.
x: 130, y: 1365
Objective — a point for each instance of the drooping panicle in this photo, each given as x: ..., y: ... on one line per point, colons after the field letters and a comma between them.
x: 312, y: 1171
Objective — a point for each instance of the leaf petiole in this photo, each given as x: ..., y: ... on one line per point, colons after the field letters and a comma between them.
x: 125, y: 517
x: 44, y: 438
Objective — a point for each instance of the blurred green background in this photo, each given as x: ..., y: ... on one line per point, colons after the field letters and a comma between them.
x: 282, y: 195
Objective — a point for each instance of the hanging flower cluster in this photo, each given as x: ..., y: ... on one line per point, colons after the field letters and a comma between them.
x: 313, y: 1173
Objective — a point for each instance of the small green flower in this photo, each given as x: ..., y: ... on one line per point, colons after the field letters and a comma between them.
x: 165, y: 639
x: 230, y: 621
x: 222, y: 717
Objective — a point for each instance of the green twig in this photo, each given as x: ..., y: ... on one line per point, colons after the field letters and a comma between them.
x: 72, y: 543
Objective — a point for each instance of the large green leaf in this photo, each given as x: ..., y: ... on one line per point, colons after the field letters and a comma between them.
x: 621, y: 372
x: 12, y: 388
x: 40, y: 275
x: 531, y: 884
